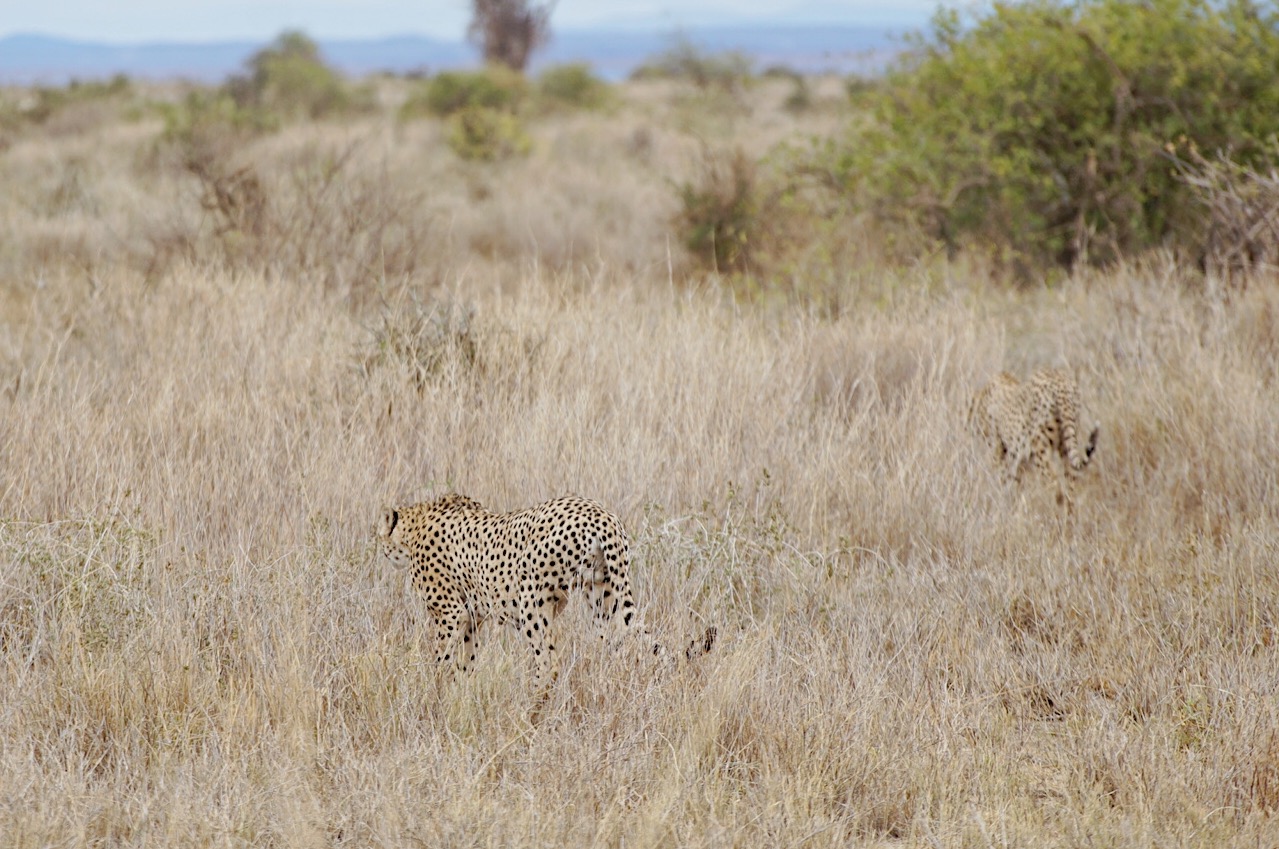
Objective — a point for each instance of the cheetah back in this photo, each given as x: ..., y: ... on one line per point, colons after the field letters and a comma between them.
x: 1028, y: 423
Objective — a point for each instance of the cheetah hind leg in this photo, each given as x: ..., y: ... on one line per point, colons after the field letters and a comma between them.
x: 535, y: 626
x: 605, y: 605
x: 701, y: 645
x: 545, y: 664
x: 1014, y: 460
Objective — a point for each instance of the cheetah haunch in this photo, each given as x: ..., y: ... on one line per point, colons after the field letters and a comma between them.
x: 470, y: 564
x: 1033, y: 422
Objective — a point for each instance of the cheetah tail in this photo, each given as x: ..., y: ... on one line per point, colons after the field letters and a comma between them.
x: 701, y: 645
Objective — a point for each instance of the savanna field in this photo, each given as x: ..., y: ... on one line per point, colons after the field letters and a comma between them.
x: 225, y: 348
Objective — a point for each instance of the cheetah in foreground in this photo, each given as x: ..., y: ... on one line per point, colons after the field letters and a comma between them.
x: 470, y: 564
x: 1033, y: 422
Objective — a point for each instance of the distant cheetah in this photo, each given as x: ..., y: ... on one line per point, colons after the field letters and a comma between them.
x: 469, y: 564
x: 1032, y: 422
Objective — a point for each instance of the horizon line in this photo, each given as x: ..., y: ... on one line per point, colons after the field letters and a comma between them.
x: 672, y: 31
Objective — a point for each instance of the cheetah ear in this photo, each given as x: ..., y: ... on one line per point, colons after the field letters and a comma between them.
x: 390, y: 518
x: 1092, y: 442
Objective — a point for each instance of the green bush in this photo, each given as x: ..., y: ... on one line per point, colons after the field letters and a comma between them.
x: 425, y: 341
x: 684, y: 60
x: 857, y: 86
x: 495, y: 88
x: 286, y: 81
x: 572, y: 85
x: 44, y: 103
x: 1235, y: 205
x: 800, y: 97
x: 203, y: 113
x: 1040, y: 131
x: 289, y: 78
x: 720, y: 211
x: 487, y: 135
x: 48, y: 100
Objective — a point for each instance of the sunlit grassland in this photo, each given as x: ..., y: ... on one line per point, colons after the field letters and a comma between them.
x: 199, y: 646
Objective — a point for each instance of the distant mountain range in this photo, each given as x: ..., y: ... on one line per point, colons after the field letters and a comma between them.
x: 28, y: 59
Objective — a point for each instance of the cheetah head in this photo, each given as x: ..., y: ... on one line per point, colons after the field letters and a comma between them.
x: 388, y: 541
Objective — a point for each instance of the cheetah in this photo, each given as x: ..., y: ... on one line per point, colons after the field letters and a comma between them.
x: 1032, y: 421
x: 470, y: 564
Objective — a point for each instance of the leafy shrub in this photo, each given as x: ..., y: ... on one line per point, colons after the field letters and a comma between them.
x: 437, y: 341
x: 800, y: 97
x: 342, y: 223
x: 719, y: 210
x: 424, y: 340
x: 46, y: 101
x: 73, y: 109
x: 289, y: 78
x: 236, y: 199
x: 767, y: 223
x: 859, y: 87
x: 287, y: 81
x: 203, y: 115
x: 487, y: 135
x: 495, y: 88
x: 779, y: 72
x: 1039, y: 131
x: 201, y: 135
x: 1241, y: 204
x: 572, y: 85
x: 320, y: 214
x: 684, y: 60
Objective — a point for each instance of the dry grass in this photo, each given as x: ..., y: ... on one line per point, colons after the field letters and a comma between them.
x: 198, y: 646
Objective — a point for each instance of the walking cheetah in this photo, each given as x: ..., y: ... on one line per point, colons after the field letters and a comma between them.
x: 470, y: 564
x: 1031, y: 422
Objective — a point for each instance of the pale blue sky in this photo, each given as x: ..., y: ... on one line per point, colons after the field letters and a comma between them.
x: 125, y: 21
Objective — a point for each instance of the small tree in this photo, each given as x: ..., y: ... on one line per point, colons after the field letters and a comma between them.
x: 290, y: 78
x: 508, y: 31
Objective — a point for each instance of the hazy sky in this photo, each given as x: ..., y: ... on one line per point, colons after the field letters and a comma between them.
x: 211, y: 20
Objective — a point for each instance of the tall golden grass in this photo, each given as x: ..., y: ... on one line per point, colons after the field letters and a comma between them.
x: 199, y: 647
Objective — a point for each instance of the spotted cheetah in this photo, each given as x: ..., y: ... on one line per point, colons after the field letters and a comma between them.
x: 1031, y: 422
x: 470, y: 564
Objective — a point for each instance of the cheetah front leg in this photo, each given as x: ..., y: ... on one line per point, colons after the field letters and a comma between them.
x: 444, y: 626
x: 455, y: 638
x: 1013, y: 462
x: 1043, y: 457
